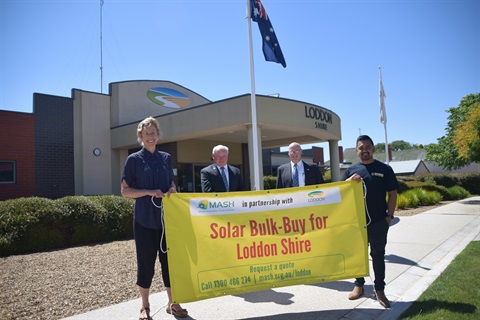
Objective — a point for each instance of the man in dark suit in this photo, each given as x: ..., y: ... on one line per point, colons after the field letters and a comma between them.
x: 297, y: 173
x: 219, y: 176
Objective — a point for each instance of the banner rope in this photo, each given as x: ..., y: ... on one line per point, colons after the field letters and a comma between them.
x: 161, y: 245
x: 163, y: 225
x: 365, y: 201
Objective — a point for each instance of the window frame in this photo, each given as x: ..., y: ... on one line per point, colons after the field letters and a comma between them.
x: 14, y: 173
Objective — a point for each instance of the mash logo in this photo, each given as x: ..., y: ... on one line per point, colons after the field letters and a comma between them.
x: 203, y: 204
x: 208, y: 206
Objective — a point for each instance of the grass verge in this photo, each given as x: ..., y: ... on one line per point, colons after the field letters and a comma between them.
x: 455, y: 294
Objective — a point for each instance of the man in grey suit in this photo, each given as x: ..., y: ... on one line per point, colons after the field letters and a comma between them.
x: 297, y: 173
x: 219, y: 176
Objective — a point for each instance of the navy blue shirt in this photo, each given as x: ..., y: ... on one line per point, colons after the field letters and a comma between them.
x: 379, y: 179
x: 146, y: 170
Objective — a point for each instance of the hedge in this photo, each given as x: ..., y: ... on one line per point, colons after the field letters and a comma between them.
x: 468, y: 181
x: 38, y: 224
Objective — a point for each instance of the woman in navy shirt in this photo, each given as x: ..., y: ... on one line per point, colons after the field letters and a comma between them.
x: 147, y: 177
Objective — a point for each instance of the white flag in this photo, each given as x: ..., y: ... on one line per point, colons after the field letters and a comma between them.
x: 383, y: 112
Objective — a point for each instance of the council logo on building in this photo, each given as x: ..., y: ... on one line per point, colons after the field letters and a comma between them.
x: 169, y: 98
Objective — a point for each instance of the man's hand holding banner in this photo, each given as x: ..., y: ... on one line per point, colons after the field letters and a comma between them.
x: 237, y: 242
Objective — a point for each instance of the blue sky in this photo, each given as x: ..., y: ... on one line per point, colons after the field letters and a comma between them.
x: 429, y: 52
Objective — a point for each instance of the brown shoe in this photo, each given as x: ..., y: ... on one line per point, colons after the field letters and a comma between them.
x: 356, y: 293
x: 382, y: 299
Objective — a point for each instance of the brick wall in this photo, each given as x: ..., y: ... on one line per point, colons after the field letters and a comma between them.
x: 17, y: 144
x: 54, y: 150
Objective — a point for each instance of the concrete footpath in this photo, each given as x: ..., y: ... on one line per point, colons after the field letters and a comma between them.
x: 419, y: 249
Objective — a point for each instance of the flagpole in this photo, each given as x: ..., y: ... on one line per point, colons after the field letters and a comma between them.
x: 256, y: 172
x: 382, y: 108
x: 101, y: 46
x: 386, y: 143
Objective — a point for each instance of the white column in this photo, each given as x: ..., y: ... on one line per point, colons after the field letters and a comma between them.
x: 251, y: 161
x: 334, y: 160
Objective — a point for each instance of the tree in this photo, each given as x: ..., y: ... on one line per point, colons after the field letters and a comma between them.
x: 467, y: 136
x: 380, y: 147
x: 461, y: 144
x: 399, y: 145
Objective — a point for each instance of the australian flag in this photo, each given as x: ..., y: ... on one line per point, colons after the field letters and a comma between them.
x: 270, y: 45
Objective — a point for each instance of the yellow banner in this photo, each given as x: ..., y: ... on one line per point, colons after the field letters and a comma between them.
x: 237, y: 242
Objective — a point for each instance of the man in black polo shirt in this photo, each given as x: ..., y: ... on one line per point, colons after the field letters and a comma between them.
x: 379, y: 180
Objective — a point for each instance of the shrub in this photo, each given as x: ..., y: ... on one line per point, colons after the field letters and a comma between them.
x: 28, y: 225
x: 327, y: 177
x: 39, y: 224
x: 402, y: 186
x: 440, y: 189
x: 441, y: 182
x: 269, y: 182
x: 84, y: 218
x: 406, y: 178
x: 433, y: 197
x: 470, y: 182
x: 119, y: 216
x: 410, y: 199
x: 446, y: 180
x: 402, y: 201
x: 457, y: 193
x: 429, y: 179
x: 416, y: 184
x: 421, y: 195
x: 418, y: 197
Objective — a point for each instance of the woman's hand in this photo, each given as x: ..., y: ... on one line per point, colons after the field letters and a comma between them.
x: 156, y: 193
x: 159, y: 194
x: 170, y: 191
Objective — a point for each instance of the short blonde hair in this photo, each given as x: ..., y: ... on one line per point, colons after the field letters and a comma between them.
x: 147, y: 122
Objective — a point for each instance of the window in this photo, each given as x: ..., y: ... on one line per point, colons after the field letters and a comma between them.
x: 7, y: 171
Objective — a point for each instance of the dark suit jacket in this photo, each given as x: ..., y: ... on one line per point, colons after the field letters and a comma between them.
x: 212, y: 179
x: 312, y: 175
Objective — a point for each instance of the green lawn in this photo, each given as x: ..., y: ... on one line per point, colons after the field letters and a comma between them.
x: 456, y: 292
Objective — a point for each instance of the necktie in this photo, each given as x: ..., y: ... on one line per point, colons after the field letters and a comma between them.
x: 295, y: 176
x: 225, y: 181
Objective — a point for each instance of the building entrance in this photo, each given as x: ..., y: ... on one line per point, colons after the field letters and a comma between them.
x: 189, y: 179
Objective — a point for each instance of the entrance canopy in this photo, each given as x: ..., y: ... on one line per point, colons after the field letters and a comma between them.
x: 188, y: 118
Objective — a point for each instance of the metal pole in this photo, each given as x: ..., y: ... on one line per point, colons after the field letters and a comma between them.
x: 101, y: 47
x: 256, y: 172
x: 383, y: 109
